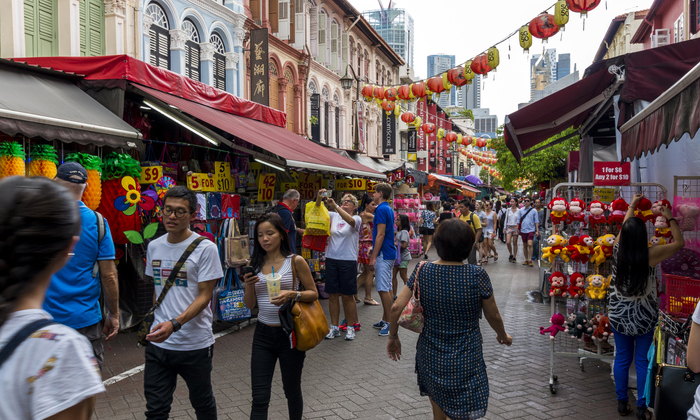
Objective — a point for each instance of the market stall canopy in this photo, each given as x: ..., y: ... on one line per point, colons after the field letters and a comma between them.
x: 636, y: 76
x: 572, y: 161
x: 473, y: 179
x: 299, y: 153
x: 434, y: 179
x: 123, y: 68
x: 379, y: 165
x: 46, y: 104
x: 666, y: 119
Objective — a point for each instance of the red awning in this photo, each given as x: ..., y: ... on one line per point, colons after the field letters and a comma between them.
x: 123, y: 67
x: 450, y: 183
x: 299, y: 153
x: 572, y: 161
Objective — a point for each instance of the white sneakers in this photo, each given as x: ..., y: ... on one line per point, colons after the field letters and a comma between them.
x: 350, y: 335
x: 333, y: 333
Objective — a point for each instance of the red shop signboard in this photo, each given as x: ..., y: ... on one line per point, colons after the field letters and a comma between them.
x: 611, y: 174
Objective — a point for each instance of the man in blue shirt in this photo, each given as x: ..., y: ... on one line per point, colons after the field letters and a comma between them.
x: 383, y: 252
x: 529, y: 228
x: 73, y: 295
x: 285, y: 208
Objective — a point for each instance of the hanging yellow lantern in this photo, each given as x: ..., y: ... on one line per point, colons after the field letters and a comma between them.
x: 440, y: 133
x: 397, y: 110
x: 468, y: 72
x: 459, y: 139
x: 493, y: 58
x: 417, y: 122
x: 445, y: 82
x: 561, y: 14
x: 525, y: 38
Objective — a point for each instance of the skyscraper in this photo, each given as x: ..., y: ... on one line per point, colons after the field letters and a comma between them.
x: 438, y: 64
x: 469, y: 96
x: 396, y: 27
x: 547, y: 69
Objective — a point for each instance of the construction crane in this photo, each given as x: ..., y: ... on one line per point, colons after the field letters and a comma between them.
x: 384, y: 12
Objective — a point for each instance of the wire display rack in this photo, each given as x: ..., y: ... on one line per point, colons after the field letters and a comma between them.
x: 563, y: 344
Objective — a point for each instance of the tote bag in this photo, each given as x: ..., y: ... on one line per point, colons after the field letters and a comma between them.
x: 237, y: 252
x: 229, y: 300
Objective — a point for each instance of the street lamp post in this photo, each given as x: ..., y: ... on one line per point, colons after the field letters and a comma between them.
x: 346, y: 83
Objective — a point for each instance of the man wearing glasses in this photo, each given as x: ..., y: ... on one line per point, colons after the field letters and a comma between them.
x: 529, y: 229
x: 181, y: 339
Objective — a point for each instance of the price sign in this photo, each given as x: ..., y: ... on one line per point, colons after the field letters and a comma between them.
x: 350, y: 184
x: 309, y: 184
x: 150, y: 174
x: 410, y: 180
x: 399, y: 174
x: 611, y: 174
x: 370, y: 186
x: 390, y: 177
x: 256, y: 169
x: 289, y: 186
x: 266, y: 187
x: 201, y: 182
x: 224, y: 180
x: 604, y: 195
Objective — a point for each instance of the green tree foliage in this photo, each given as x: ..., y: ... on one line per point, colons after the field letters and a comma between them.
x: 463, y: 113
x: 542, y: 166
x: 484, y: 176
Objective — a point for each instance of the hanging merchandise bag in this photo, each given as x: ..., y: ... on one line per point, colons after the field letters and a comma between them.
x: 150, y: 157
x: 229, y: 299
x: 169, y: 168
x: 318, y: 221
x: 214, y: 205
x: 315, y: 242
x: 687, y: 211
x: 230, y: 206
x: 237, y: 252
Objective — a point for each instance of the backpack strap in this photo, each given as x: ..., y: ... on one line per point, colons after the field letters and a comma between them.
x: 20, y: 336
x: 100, y: 236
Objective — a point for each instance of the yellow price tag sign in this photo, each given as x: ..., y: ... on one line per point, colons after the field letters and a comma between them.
x: 201, y: 182
x: 370, y: 186
x: 309, y: 184
x: 222, y: 175
x: 266, y: 187
x: 150, y: 174
x: 350, y: 184
x: 256, y: 169
x: 412, y: 157
x: 289, y: 186
x: 605, y: 195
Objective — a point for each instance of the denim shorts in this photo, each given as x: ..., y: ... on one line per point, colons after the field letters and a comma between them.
x: 382, y: 273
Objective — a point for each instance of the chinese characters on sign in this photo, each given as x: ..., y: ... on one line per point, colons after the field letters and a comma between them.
x: 259, y: 81
x: 388, y: 134
x: 412, y: 140
x: 611, y: 174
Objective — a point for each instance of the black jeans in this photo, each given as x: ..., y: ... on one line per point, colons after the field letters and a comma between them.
x: 160, y: 379
x: 270, y: 344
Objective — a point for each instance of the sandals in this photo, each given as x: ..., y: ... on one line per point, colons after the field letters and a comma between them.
x: 526, y: 263
x: 357, y: 299
x: 371, y: 301
x: 495, y: 258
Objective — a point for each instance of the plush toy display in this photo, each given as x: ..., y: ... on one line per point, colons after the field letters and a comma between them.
x: 662, y: 229
x: 597, y: 213
x: 656, y: 240
x: 595, y: 320
x: 689, y: 216
x: 603, y: 249
x: 557, y: 326
x: 576, y: 214
x: 558, y: 207
x: 570, y: 322
x: 656, y: 207
x: 581, y: 248
x: 556, y: 247
x: 643, y: 210
x: 604, y: 330
x: 619, y: 209
x: 558, y: 281
x: 581, y: 327
x: 577, y: 286
x: 597, y: 286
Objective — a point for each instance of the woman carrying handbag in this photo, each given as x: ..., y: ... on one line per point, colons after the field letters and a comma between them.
x: 272, y: 255
x: 449, y: 360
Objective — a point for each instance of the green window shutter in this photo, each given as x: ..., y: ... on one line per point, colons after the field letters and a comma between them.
x: 30, y: 36
x: 83, y: 28
x: 41, y: 27
x: 92, y: 28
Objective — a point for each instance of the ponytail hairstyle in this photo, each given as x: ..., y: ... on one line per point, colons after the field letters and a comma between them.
x: 38, y: 220
x: 632, y: 270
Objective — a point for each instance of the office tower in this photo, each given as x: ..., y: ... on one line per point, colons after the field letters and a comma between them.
x: 484, y: 122
x: 547, y: 69
x: 469, y: 96
x: 438, y: 64
x: 396, y: 27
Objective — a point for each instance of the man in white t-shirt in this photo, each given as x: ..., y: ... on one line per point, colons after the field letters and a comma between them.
x: 182, y: 341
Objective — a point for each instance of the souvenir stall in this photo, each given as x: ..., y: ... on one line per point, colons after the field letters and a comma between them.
x: 407, y: 200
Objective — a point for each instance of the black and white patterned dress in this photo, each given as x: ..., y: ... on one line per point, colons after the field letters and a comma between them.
x: 633, y: 315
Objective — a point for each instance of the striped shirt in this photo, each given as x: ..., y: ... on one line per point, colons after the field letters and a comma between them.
x: 268, y: 313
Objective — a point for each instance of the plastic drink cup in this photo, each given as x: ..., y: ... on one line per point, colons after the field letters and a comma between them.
x: 274, y: 283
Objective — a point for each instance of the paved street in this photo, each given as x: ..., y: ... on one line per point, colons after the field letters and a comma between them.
x: 356, y: 380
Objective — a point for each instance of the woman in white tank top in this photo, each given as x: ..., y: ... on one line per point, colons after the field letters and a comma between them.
x: 270, y: 342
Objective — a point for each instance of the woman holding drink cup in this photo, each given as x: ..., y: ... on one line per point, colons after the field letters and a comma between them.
x: 269, y: 284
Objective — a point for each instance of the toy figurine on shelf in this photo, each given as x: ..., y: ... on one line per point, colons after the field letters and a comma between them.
x: 595, y: 320
x: 604, y: 331
x: 581, y: 248
x: 558, y: 207
x: 656, y: 240
x: 576, y: 212
x: 656, y: 207
x: 643, y: 210
x: 557, y: 246
x: 577, y: 286
x: 570, y: 322
x: 603, y: 249
x: 597, y: 213
x: 557, y: 326
x: 558, y: 281
x: 619, y: 209
x: 662, y: 229
x: 597, y: 286
x: 580, y: 327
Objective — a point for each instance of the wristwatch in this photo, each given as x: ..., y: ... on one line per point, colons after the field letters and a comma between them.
x: 298, y: 297
x: 176, y: 325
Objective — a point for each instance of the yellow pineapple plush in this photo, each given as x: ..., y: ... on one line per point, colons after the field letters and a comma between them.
x: 11, y: 159
x: 43, y: 161
x: 93, y: 165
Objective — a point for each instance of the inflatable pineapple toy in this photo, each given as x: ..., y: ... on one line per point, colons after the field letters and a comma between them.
x: 43, y: 161
x: 93, y: 165
x: 11, y: 159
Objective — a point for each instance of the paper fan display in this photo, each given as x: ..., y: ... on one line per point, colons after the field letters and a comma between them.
x: 685, y: 262
x: 164, y: 184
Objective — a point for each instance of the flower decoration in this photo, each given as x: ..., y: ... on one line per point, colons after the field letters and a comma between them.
x: 133, y: 198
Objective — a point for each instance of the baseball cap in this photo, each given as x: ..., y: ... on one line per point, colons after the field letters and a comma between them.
x: 72, y: 172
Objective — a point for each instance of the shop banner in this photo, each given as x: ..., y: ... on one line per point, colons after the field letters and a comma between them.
x: 201, y: 182
x: 266, y: 187
x: 150, y: 174
x: 611, y: 174
x: 432, y: 139
x: 388, y: 133
x: 440, y: 151
x: 259, y: 67
x: 351, y: 184
x: 412, y: 140
x: 360, y: 129
x: 446, y: 124
x: 422, y: 162
x: 461, y: 168
x: 224, y: 180
x: 309, y: 184
x: 448, y: 163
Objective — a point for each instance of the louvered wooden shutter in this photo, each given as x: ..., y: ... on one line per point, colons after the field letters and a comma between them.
x: 219, y: 71
x: 313, y: 30
x: 322, y: 25
x: 292, y: 21
x: 255, y: 10
x: 274, y: 16
x: 82, y: 7
x: 345, y: 39
x: 92, y: 23
x: 192, y: 63
x: 160, y: 47
x: 334, y: 46
x: 299, y: 23
x: 41, y: 28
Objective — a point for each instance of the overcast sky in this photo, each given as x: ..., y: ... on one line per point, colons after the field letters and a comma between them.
x: 465, y: 28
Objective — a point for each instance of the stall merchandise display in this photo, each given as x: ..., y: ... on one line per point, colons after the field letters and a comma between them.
x: 410, y: 205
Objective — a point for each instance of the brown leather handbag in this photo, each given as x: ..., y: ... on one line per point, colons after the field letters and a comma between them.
x: 310, y: 323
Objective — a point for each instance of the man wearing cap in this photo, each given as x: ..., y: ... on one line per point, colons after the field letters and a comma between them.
x: 73, y: 295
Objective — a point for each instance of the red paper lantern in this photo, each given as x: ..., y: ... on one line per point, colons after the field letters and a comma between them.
x: 408, y: 117
x: 388, y: 106
x: 480, y: 64
x: 456, y: 76
x: 435, y: 85
x: 480, y: 142
x: 404, y: 93
x: 378, y: 92
x: 582, y: 6
x: 451, y: 137
x: 467, y: 141
x: 418, y: 89
x: 367, y: 92
x: 428, y: 128
x: 543, y: 26
x: 470, y: 155
x: 390, y: 94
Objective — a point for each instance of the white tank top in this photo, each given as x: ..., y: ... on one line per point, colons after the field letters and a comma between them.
x: 267, y: 312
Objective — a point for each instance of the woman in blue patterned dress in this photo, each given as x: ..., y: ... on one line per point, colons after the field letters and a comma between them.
x: 449, y: 360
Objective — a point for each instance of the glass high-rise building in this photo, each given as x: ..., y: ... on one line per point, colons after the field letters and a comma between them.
x: 547, y: 69
x: 396, y: 27
x: 438, y: 64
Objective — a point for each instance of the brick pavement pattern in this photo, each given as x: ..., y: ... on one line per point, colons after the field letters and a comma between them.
x: 356, y: 380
